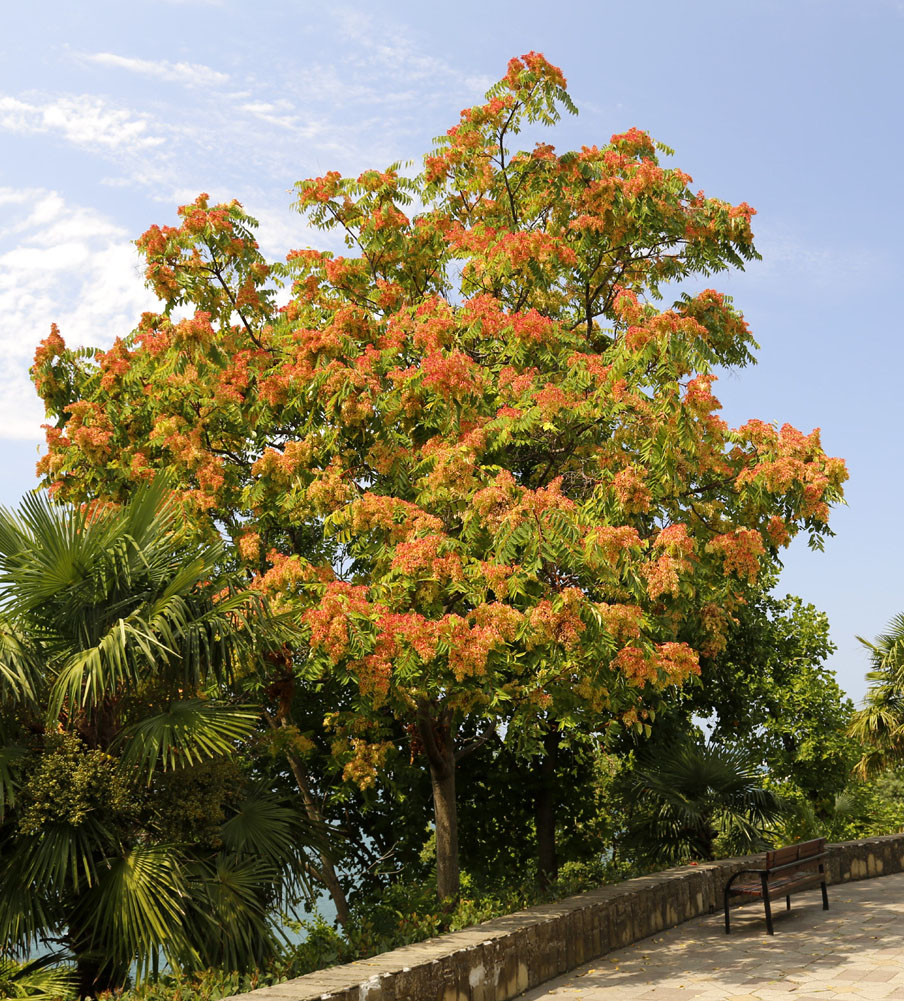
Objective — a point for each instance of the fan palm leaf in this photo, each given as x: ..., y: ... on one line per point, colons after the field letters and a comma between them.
x: 118, y: 638
x: 42, y: 979
x: 11, y: 757
x: 27, y: 912
x: 137, y: 907
x: 698, y: 794
x: 267, y: 827
x: 19, y: 673
x: 188, y: 732
x: 61, y: 853
x: 228, y: 916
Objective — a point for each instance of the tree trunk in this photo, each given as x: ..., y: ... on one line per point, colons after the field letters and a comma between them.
x: 545, y: 811
x: 87, y: 975
x: 708, y: 835
x: 94, y: 973
x: 437, y: 738
x: 325, y: 873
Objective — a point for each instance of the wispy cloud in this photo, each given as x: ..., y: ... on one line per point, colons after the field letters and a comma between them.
x: 359, y: 103
x: 272, y: 112
x: 59, y: 263
x: 85, y: 120
x: 792, y: 259
x: 190, y: 74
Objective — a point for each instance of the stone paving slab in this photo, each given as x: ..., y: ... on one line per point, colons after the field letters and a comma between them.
x: 852, y: 952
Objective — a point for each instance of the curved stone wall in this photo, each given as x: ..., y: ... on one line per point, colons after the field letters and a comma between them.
x: 499, y: 959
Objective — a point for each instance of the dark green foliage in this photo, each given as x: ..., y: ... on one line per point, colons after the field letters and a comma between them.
x: 772, y: 692
x: 696, y: 798
x: 497, y: 790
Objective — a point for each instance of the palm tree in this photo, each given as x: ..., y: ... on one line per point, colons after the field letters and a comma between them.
x: 699, y: 794
x: 130, y: 828
x: 879, y: 724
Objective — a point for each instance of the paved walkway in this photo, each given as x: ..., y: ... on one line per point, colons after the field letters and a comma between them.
x: 852, y: 952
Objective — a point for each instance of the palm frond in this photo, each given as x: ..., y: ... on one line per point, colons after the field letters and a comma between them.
x: 28, y: 911
x: 61, y: 854
x: 229, y: 917
x: 137, y: 907
x: 698, y: 793
x: 271, y: 828
x: 19, y: 667
x: 190, y: 731
x: 879, y: 723
x: 123, y: 654
x: 41, y: 979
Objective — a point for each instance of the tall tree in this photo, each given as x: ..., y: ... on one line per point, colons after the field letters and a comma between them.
x: 127, y: 830
x: 474, y: 452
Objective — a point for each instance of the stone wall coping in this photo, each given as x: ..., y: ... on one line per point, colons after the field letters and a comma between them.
x: 502, y: 957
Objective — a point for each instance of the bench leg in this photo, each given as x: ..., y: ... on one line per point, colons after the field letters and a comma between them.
x: 727, y: 918
x: 825, y: 897
x: 788, y: 903
x: 767, y: 905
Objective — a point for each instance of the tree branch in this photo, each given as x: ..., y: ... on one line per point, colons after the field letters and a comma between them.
x: 476, y: 743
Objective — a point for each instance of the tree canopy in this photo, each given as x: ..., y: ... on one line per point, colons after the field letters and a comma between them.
x: 474, y: 454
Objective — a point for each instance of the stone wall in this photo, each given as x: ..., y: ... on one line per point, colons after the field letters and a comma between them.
x: 499, y: 959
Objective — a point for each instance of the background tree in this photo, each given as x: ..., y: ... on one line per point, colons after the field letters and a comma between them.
x: 879, y: 724
x: 127, y: 827
x: 770, y: 691
x: 474, y: 453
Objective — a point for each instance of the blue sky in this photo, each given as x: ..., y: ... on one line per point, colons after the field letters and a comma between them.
x: 112, y: 114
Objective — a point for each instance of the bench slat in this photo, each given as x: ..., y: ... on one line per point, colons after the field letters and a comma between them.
x: 782, y: 856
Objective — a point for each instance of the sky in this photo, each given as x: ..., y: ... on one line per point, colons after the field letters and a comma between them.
x: 113, y: 114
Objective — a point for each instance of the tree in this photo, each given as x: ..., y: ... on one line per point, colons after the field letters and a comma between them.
x: 879, y: 724
x: 770, y: 691
x: 484, y: 465
x: 127, y: 828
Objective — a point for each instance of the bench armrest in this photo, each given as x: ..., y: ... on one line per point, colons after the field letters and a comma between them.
x: 742, y: 872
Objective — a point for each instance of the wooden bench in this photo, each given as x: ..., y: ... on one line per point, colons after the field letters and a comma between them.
x: 787, y: 870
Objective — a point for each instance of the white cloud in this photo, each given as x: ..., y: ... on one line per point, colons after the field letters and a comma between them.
x: 274, y: 113
x: 84, y: 120
x: 192, y: 74
x: 59, y: 263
